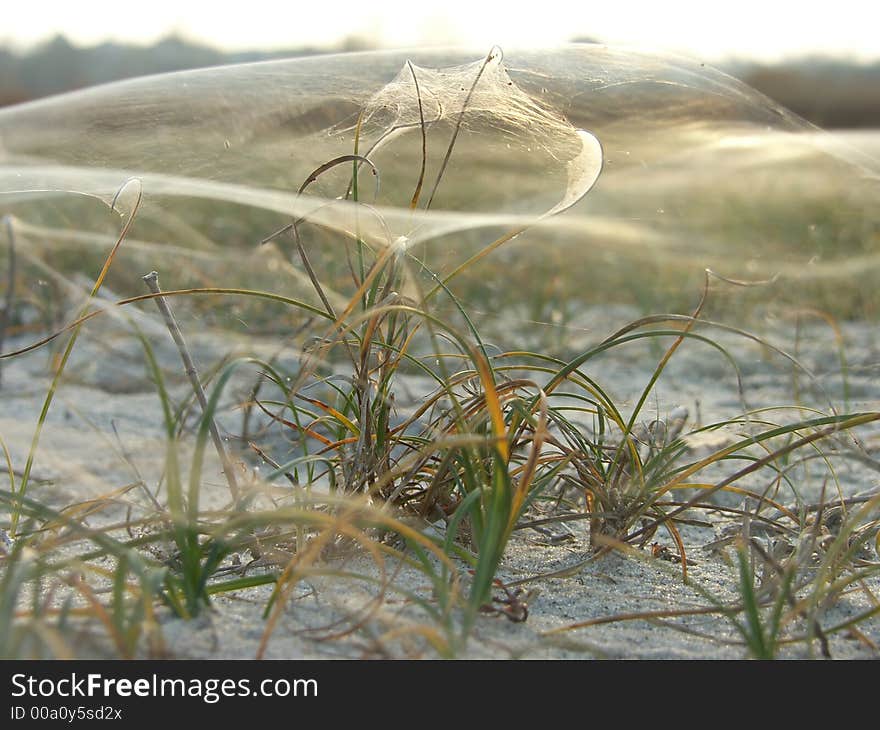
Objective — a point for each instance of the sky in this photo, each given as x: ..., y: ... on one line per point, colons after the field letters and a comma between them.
x: 755, y: 29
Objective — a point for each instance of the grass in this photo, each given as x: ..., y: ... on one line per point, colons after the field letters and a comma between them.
x: 340, y: 476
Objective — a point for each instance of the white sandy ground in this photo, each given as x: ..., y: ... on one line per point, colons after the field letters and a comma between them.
x: 81, y: 457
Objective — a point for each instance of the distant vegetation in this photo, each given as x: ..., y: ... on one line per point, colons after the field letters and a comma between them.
x: 830, y: 93
x: 58, y: 66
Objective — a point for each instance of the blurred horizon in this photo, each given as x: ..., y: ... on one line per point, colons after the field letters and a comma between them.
x: 831, y: 92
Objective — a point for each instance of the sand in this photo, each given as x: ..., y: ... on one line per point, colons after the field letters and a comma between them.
x: 105, y: 431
